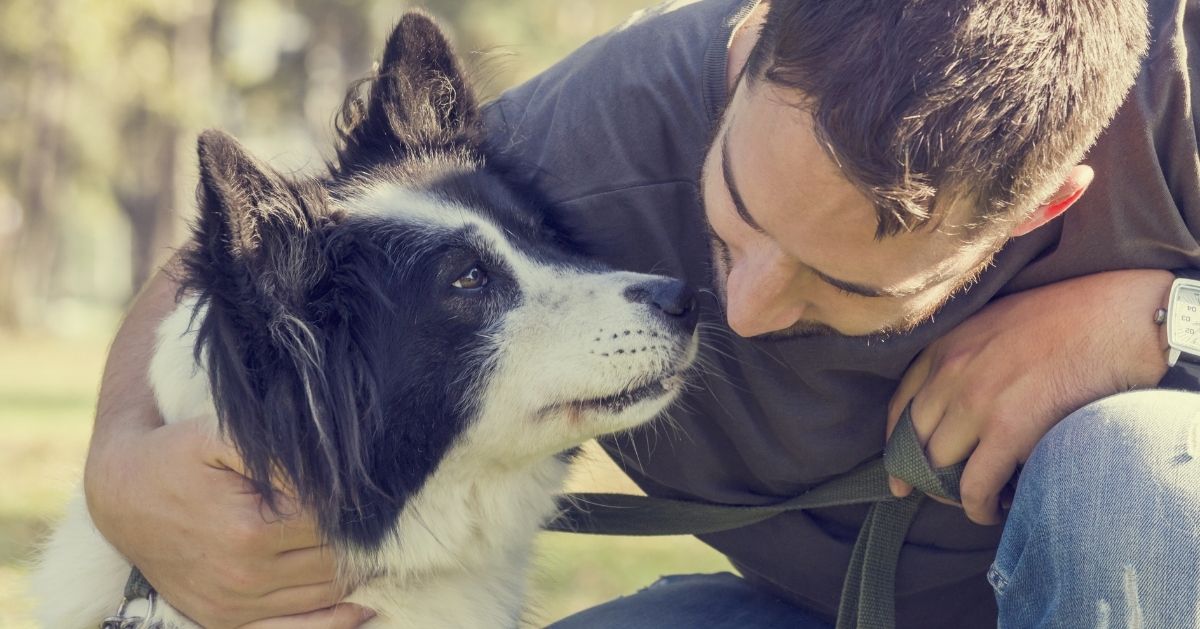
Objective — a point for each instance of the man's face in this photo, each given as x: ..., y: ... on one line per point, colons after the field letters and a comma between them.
x: 794, y: 247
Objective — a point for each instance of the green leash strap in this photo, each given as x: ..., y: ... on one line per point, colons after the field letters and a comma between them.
x: 868, y: 593
x: 627, y: 514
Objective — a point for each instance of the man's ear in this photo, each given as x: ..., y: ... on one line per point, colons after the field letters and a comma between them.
x: 1067, y: 194
x: 418, y: 100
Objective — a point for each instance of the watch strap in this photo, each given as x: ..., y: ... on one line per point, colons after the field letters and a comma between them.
x: 1184, y: 375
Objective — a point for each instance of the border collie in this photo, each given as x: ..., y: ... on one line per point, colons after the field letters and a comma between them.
x: 408, y: 342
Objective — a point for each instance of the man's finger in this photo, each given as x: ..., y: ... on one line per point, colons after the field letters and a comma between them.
x: 952, y: 442
x: 215, y: 450
x: 306, y: 566
x: 345, y: 616
x: 291, y: 527
x: 912, y: 381
x: 286, y: 527
x: 988, y: 471
x: 899, y: 488
x: 927, y: 415
x: 299, y: 600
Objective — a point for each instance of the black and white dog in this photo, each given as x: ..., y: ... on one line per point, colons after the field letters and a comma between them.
x: 407, y: 342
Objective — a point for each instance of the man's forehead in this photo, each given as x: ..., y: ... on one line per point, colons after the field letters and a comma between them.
x: 797, y: 192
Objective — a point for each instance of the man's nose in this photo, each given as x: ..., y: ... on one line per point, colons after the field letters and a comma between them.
x: 759, y: 300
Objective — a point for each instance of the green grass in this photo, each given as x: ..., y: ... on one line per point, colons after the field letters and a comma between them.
x: 47, y: 395
x: 47, y: 392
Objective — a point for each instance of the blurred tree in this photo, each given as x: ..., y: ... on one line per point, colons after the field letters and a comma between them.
x: 176, y: 42
x: 27, y: 266
x: 100, y: 102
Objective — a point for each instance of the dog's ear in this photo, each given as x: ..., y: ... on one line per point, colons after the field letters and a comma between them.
x: 418, y: 101
x: 255, y: 227
x: 260, y: 260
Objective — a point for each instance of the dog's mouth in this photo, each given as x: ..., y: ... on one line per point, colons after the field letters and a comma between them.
x: 621, y: 402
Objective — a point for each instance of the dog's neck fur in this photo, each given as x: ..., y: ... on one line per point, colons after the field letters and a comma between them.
x: 459, y: 552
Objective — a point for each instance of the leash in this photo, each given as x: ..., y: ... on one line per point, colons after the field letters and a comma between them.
x: 136, y: 588
x: 868, y: 593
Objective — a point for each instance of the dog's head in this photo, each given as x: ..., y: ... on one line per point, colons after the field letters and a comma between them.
x: 360, y: 328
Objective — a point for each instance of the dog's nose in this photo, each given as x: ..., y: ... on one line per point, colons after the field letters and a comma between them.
x: 674, y: 299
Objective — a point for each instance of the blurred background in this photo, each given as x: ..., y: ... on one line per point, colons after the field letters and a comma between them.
x: 100, y: 105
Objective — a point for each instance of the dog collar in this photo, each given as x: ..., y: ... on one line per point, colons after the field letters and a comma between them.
x: 137, y: 605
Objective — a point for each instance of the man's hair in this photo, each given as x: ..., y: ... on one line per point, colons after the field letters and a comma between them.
x: 988, y: 102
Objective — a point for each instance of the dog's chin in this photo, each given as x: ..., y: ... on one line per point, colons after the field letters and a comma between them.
x: 621, y: 410
x: 635, y: 404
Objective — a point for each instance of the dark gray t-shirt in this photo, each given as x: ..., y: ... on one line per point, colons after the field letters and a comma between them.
x: 615, y: 135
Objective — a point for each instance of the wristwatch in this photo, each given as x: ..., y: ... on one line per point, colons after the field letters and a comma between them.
x: 1182, y: 318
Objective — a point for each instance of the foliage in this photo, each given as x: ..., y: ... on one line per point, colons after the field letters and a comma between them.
x: 100, y: 103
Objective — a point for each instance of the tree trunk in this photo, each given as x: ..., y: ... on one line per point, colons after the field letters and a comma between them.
x: 153, y: 193
x: 30, y: 268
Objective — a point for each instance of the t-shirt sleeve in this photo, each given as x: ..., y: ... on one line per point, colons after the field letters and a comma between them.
x: 1143, y: 208
x: 626, y: 109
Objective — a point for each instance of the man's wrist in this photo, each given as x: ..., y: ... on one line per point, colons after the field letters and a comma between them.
x: 1145, y: 289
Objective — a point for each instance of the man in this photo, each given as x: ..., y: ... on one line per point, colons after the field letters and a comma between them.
x: 882, y: 222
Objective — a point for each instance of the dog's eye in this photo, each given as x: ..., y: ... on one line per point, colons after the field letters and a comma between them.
x: 475, y: 278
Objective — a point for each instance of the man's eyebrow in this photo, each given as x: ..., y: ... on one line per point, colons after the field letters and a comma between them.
x: 740, y: 206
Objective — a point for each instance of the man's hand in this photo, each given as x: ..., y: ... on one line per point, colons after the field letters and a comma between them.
x: 172, y: 500
x: 176, y: 507
x: 991, y: 388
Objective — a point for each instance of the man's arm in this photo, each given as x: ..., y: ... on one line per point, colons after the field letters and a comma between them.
x: 170, y: 498
x: 989, y: 390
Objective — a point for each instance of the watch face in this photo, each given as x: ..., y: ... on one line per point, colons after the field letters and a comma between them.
x: 1183, y: 324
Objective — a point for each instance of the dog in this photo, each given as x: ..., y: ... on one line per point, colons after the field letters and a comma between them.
x: 408, y: 342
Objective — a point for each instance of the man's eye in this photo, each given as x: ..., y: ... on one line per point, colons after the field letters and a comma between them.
x: 475, y: 278
x: 842, y: 291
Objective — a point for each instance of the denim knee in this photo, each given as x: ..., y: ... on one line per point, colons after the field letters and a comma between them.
x: 1138, y: 439
x: 1106, y: 520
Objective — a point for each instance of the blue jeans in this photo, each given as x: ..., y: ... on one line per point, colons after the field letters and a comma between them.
x: 1104, y: 533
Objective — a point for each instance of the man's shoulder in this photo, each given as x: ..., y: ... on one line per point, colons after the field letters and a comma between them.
x: 630, y: 107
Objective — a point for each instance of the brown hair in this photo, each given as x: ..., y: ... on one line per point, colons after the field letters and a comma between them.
x: 987, y: 101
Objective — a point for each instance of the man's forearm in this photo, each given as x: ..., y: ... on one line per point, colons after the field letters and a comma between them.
x: 1117, y: 308
x: 126, y: 403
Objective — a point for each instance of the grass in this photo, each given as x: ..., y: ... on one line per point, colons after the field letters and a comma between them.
x: 47, y: 395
